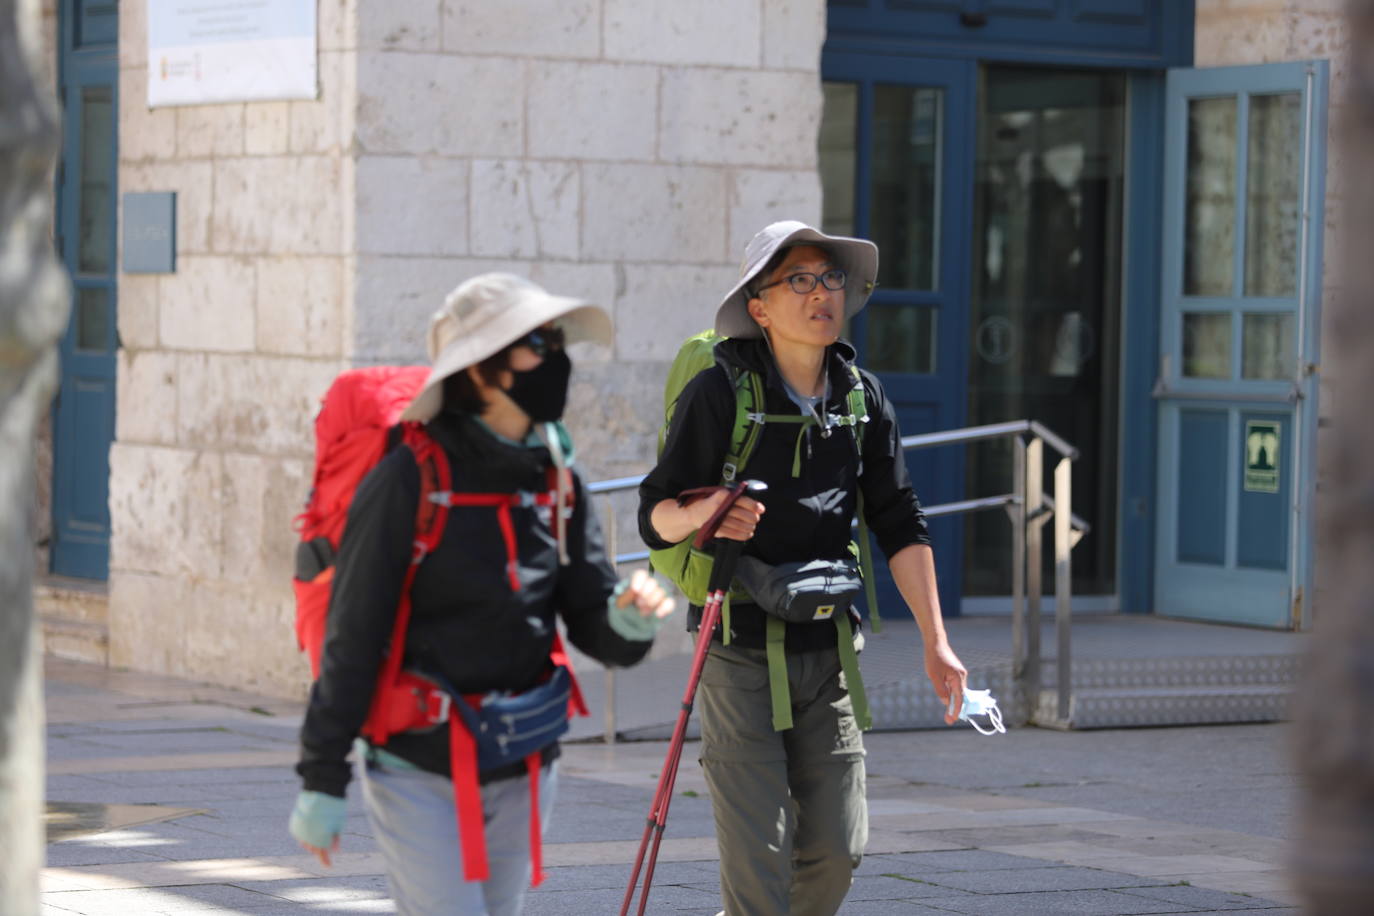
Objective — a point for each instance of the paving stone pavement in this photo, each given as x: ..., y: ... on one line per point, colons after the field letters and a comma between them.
x: 168, y: 797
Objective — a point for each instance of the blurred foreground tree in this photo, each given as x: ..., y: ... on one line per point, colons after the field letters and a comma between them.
x: 33, y: 312
x: 1334, y: 854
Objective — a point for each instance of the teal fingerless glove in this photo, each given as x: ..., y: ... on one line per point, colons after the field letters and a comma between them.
x: 318, y: 818
x: 627, y: 622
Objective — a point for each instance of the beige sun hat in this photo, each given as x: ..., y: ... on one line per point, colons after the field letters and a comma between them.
x: 487, y: 313
x: 856, y: 257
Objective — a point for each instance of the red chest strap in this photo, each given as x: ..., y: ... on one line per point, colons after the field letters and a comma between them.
x: 502, y: 503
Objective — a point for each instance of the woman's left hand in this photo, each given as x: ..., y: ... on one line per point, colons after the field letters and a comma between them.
x: 648, y: 596
x: 948, y: 675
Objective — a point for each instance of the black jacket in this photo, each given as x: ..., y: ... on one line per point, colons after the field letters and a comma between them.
x: 808, y: 517
x: 466, y: 625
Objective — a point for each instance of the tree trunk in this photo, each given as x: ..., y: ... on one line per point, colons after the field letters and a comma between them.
x: 33, y: 312
x: 1334, y: 856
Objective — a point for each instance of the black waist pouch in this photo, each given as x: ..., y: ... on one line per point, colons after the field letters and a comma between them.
x: 801, y: 592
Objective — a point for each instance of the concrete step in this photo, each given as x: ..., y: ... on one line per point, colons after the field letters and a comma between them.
x: 74, y: 615
x: 75, y: 640
x: 72, y: 599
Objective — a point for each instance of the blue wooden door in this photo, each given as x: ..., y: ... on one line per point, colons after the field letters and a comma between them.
x: 896, y: 148
x: 84, y: 411
x: 1244, y: 170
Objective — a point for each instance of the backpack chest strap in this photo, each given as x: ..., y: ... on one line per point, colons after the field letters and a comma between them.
x: 503, y: 503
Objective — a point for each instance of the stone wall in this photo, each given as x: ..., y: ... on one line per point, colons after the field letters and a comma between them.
x: 222, y: 364
x: 611, y: 149
x: 1233, y: 32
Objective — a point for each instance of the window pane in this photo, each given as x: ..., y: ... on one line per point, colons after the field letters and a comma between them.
x: 838, y: 157
x: 96, y: 219
x: 1207, y: 344
x: 1272, y: 195
x: 92, y: 320
x: 1267, y: 346
x: 905, y: 202
x: 1210, y: 204
x: 901, y: 338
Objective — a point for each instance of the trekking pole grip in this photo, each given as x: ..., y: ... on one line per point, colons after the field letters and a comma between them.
x: 723, y: 567
x: 727, y: 552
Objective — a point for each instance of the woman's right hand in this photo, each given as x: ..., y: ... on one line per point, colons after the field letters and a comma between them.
x: 316, y: 822
x: 737, y: 525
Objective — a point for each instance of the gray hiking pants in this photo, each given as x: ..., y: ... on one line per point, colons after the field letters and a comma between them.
x: 791, y: 819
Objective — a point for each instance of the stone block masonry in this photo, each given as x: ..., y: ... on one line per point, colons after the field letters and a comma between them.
x: 619, y: 151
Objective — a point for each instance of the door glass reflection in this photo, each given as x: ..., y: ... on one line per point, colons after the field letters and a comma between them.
x: 900, y: 338
x: 905, y: 201
x: 1045, y: 308
x: 1272, y: 194
x: 838, y: 157
x: 95, y: 221
x: 1209, y: 222
x: 1207, y: 344
x: 1267, y: 346
x: 92, y: 319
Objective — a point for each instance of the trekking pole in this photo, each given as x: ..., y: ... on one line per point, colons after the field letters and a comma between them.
x: 722, y: 572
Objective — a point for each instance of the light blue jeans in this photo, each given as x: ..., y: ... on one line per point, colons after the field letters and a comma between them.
x: 416, y: 829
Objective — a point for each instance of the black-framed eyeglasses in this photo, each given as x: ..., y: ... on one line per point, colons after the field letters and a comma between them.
x: 541, y: 340
x: 803, y: 283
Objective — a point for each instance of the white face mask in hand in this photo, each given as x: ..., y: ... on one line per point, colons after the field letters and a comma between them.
x: 979, y: 703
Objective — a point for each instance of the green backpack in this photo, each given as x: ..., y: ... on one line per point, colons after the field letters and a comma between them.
x: 690, y: 569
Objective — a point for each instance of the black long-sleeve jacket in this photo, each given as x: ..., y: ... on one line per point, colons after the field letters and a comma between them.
x: 807, y: 517
x: 466, y: 625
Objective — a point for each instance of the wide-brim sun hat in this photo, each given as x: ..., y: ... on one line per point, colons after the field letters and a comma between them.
x: 489, y: 312
x: 858, y: 258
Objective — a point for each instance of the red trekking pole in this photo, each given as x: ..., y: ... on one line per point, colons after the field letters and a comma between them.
x: 722, y: 572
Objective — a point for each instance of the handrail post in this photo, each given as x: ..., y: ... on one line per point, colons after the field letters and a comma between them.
x: 1017, y: 512
x: 1063, y: 583
x: 608, y: 712
x: 1035, y: 521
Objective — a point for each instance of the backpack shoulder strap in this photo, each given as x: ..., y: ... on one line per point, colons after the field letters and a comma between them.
x: 430, y: 517
x: 744, y: 435
x: 858, y: 415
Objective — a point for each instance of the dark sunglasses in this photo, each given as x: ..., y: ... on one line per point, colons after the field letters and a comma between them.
x: 541, y: 340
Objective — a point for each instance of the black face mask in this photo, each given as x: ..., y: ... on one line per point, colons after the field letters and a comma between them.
x: 542, y: 392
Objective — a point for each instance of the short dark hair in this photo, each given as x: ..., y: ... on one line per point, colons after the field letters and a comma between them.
x: 459, y: 391
x: 766, y: 271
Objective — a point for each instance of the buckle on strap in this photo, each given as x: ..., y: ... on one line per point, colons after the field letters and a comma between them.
x: 435, y: 711
x: 418, y: 551
x: 441, y: 497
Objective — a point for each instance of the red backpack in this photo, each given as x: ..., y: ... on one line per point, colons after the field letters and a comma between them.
x: 357, y: 425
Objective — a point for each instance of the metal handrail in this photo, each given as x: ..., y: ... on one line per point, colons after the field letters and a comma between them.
x: 1029, y: 437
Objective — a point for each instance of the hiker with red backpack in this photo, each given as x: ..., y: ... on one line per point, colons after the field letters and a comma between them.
x: 442, y: 668
x: 781, y: 700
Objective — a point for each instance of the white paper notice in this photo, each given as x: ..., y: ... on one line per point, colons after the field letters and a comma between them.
x: 230, y: 51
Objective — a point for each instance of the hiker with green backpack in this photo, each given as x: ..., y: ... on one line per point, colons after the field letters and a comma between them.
x: 773, y: 394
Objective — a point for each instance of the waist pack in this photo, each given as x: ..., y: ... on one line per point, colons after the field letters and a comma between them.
x: 801, y: 592
x: 509, y: 727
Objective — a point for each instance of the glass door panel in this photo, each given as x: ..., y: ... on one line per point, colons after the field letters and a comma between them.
x: 1044, y: 308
